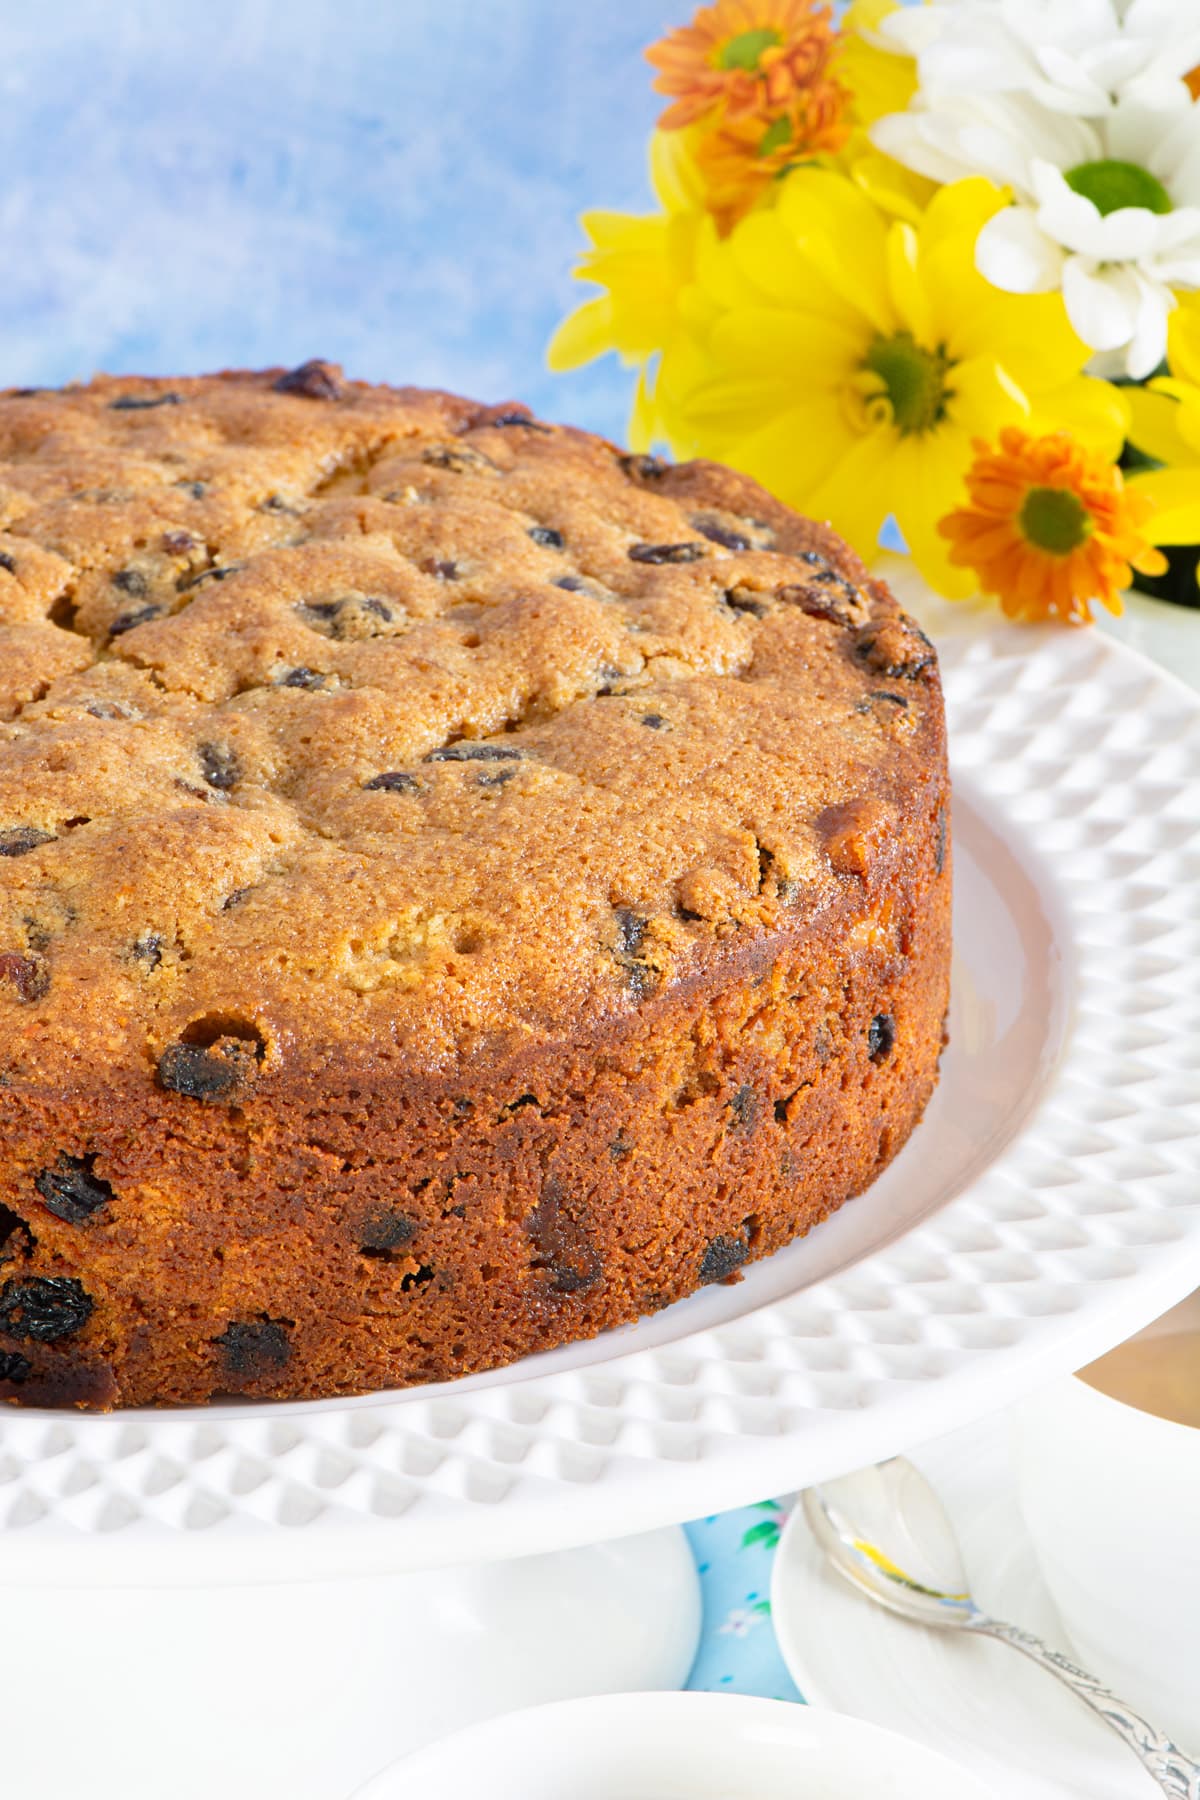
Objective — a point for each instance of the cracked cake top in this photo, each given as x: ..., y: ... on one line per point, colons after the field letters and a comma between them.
x: 373, y: 715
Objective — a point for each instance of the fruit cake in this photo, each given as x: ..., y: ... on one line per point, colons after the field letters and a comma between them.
x: 462, y: 887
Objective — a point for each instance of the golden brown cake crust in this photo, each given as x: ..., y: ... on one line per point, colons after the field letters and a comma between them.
x: 461, y: 888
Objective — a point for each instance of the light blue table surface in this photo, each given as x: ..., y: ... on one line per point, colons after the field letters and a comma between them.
x: 734, y: 1553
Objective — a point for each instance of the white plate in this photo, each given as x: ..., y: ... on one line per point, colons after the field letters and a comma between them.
x: 978, y: 1702
x: 1046, y: 1208
x: 673, y: 1747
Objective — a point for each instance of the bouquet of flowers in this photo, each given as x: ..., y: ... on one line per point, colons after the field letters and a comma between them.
x: 932, y: 270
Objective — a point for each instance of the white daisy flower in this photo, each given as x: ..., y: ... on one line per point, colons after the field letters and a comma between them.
x: 1073, y: 56
x: 1106, y: 207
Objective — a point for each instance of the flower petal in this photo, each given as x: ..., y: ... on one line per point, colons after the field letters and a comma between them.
x: 643, y: 416
x: 673, y: 172
x: 985, y: 398
x: 583, y: 334
x: 1154, y: 428
x: 1176, y: 497
x: 1069, y: 85
x: 721, y: 272
x: 1183, y: 180
x: 1129, y: 233
x: 960, y: 210
x: 1185, y: 342
x: 977, y: 134
x: 795, y: 449
x: 930, y: 482
x: 897, y: 190
x: 904, y: 136
x: 788, y: 346
x: 1169, y: 33
x: 912, y: 31
x: 1102, y: 304
x: 1095, y: 412
x: 907, y: 290
x: 842, y: 236
x: 1148, y: 344
x: 1067, y: 217
x: 765, y: 254
x: 1014, y: 253
x: 1176, y: 257
x: 859, y: 490
x: 1140, y: 127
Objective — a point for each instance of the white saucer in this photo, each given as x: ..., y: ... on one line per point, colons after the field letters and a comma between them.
x: 673, y: 1747
x: 978, y: 1702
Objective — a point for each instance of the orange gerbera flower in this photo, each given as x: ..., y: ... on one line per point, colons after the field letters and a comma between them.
x: 1050, y: 526
x: 743, y: 57
x: 739, y: 161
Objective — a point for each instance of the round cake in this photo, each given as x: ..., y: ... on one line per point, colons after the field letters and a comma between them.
x: 461, y: 887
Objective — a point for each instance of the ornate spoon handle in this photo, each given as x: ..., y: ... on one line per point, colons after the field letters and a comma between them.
x: 1175, y: 1773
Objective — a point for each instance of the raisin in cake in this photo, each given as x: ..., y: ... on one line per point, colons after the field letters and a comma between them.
x: 461, y: 887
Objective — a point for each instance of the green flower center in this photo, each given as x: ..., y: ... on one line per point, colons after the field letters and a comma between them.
x: 775, y: 137
x: 1110, y: 185
x: 745, y: 50
x: 914, y: 380
x: 1055, y: 519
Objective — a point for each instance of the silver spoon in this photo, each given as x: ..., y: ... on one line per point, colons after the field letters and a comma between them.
x: 886, y: 1531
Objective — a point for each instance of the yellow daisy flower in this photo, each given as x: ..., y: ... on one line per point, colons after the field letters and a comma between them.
x: 1049, y: 528
x: 848, y: 360
x: 1165, y: 424
x: 642, y: 262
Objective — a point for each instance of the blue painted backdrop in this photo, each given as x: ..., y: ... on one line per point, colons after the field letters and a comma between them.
x: 393, y: 184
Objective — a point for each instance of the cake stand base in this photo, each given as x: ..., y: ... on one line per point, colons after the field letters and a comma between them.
x: 305, y: 1689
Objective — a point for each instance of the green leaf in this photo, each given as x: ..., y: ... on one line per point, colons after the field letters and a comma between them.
x: 766, y: 1531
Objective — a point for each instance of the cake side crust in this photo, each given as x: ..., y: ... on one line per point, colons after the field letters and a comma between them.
x: 347, y: 1229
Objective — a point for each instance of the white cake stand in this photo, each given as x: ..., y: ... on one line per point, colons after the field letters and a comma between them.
x: 278, y: 1564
